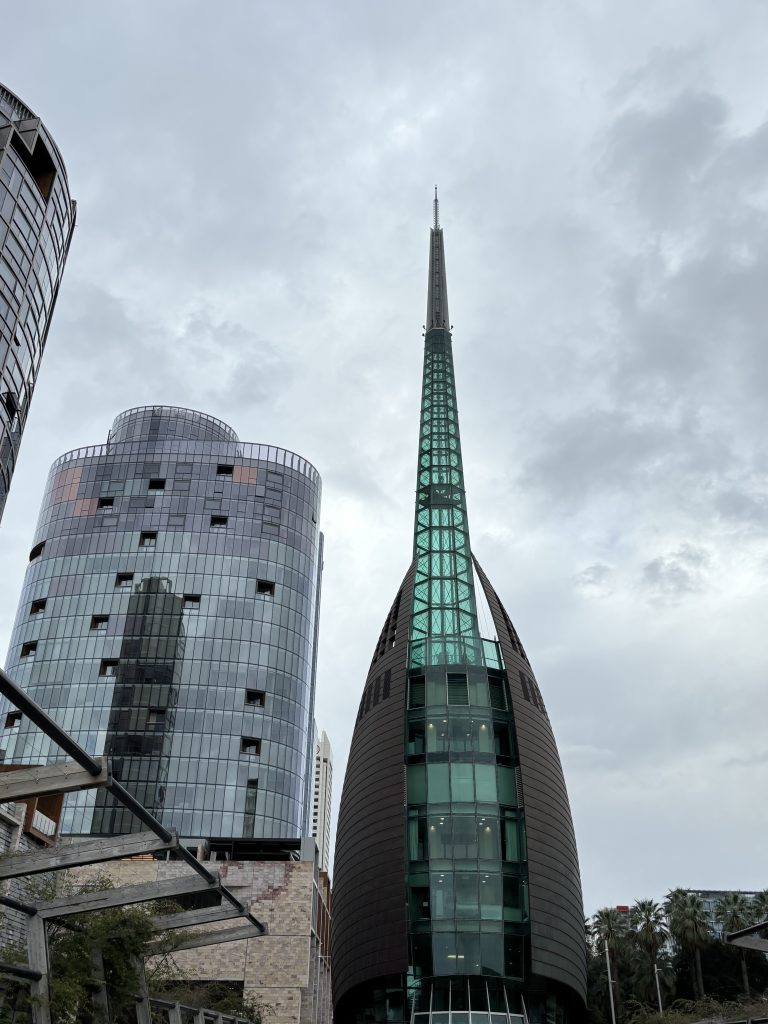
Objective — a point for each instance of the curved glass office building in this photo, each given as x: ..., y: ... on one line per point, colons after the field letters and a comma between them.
x: 169, y: 619
x: 457, y: 897
x: 37, y: 217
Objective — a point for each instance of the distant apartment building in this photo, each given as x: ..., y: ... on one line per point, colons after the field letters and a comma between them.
x: 37, y: 217
x: 322, y: 797
x: 710, y: 898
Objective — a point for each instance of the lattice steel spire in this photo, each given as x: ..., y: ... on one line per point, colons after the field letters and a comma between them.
x: 444, y: 628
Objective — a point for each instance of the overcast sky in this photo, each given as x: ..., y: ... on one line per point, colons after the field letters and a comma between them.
x: 254, y: 184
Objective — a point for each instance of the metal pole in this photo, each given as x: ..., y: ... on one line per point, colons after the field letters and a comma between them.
x: 610, y: 983
x: 658, y: 989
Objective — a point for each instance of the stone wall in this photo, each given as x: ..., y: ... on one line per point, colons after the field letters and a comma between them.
x: 288, y: 969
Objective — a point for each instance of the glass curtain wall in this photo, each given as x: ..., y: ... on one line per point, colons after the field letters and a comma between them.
x: 169, y: 619
x: 37, y: 216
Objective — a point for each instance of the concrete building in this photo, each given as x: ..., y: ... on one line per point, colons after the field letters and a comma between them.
x: 321, y: 799
x: 169, y: 620
x: 37, y: 217
x: 456, y: 879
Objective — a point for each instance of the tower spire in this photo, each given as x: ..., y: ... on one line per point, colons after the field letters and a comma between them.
x: 444, y: 627
x: 437, y: 292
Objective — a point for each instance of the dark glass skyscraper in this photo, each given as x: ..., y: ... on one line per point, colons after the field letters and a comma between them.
x: 456, y: 883
x: 169, y: 619
x: 37, y: 217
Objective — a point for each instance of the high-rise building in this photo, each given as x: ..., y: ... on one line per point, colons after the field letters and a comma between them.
x: 37, y: 217
x: 169, y: 619
x: 321, y: 799
x: 456, y: 880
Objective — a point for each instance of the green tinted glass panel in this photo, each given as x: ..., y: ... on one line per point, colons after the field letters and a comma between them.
x: 462, y: 782
x: 415, y: 738
x: 466, y: 895
x: 485, y: 777
x: 418, y: 901
x: 488, y: 839
x: 417, y: 784
x: 464, y: 836
x: 417, y: 835
x: 513, y: 899
x: 507, y: 785
x: 437, y: 735
x: 442, y: 897
x: 510, y: 838
x: 439, y: 790
x: 439, y: 837
x: 490, y: 897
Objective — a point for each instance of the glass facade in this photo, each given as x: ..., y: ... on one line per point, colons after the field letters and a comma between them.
x: 169, y: 619
x: 37, y: 217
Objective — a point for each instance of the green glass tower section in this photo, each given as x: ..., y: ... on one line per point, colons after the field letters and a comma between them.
x: 444, y: 621
x: 465, y: 863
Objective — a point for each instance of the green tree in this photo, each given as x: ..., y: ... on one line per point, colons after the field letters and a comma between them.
x: 117, y: 941
x: 648, y: 926
x: 689, y: 926
x: 649, y: 932
x: 760, y: 906
x: 609, y: 928
x: 734, y: 911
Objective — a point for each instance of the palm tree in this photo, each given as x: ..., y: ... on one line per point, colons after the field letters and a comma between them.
x: 609, y: 928
x: 649, y: 931
x: 648, y: 926
x: 689, y: 926
x: 734, y: 911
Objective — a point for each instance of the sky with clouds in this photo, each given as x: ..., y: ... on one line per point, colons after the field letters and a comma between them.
x: 254, y: 184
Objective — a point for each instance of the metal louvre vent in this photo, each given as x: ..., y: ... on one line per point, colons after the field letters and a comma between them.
x: 417, y: 692
x: 458, y: 690
x: 496, y: 693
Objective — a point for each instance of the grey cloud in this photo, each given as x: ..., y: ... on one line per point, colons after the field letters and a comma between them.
x: 750, y: 761
x: 595, y: 579
x: 678, y: 573
x: 740, y: 506
x: 659, y: 154
x: 592, y: 451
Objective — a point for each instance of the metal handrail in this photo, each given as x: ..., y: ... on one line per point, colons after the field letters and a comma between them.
x: 224, y: 1018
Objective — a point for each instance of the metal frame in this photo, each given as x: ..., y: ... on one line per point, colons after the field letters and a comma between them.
x: 88, y: 772
x: 95, y: 768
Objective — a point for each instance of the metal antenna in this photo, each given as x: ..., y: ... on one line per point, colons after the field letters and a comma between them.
x: 437, y: 211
